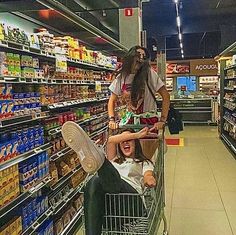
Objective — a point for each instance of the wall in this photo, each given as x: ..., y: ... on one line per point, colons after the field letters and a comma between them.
x: 130, y: 27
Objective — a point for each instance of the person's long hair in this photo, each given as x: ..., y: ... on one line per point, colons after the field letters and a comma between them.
x: 138, y: 154
x: 141, y: 76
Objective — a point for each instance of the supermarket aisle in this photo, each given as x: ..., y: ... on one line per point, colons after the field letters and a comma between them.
x: 200, y: 185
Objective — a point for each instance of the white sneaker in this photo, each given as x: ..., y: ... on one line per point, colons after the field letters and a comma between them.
x: 91, y: 157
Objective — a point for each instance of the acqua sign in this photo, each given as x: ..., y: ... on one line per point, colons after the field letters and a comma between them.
x: 203, y: 67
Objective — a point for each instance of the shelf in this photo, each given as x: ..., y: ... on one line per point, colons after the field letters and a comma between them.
x: 231, y: 67
x: 64, y: 179
x: 74, y: 102
x: 57, y: 130
x: 229, y: 141
x: 67, y: 198
x: 231, y: 109
x: 230, y: 122
x: 24, y: 156
x: 42, y: 53
x: 229, y: 100
x: 230, y: 88
x: 230, y: 78
x: 22, y: 198
x: 98, y: 132
x: 73, y: 223
x: 21, y: 80
x: 17, y: 120
x: 60, y: 154
x: 42, y: 218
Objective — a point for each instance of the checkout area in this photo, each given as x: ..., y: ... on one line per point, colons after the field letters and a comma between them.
x: 194, y: 90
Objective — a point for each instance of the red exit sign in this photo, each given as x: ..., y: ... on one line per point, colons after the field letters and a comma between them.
x: 128, y: 11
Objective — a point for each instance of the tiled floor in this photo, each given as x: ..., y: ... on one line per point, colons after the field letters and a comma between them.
x: 200, y: 185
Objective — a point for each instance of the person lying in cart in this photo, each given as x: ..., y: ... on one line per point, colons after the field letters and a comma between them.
x: 123, y: 169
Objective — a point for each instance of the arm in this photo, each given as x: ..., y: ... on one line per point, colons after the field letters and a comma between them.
x: 165, y: 108
x: 165, y: 103
x: 149, y: 179
x: 111, y: 111
x: 116, y: 139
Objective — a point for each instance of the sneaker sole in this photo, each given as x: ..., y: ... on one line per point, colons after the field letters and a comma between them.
x: 77, y: 139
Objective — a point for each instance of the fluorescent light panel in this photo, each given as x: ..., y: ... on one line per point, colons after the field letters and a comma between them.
x: 180, y: 36
x: 181, y: 45
x: 178, y: 21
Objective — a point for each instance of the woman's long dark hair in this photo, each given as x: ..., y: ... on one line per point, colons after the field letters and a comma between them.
x: 141, y: 76
x: 138, y: 155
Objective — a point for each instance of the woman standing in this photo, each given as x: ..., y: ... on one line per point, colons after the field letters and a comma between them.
x: 137, y: 84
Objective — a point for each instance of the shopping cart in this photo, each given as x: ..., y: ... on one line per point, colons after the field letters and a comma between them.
x: 138, y: 214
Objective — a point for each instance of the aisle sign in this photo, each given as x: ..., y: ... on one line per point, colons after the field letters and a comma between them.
x: 61, y: 63
x: 203, y: 67
x: 178, y: 68
x: 128, y: 11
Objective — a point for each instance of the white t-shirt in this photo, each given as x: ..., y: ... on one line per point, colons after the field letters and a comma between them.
x: 132, y: 172
x: 122, y: 86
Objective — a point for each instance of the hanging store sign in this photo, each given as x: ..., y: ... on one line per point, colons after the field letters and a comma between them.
x: 178, y: 68
x: 128, y: 11
x: 203, y: 67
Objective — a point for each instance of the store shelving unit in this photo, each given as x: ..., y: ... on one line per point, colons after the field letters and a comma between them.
x: 228, y: 99
x: 49, y: 110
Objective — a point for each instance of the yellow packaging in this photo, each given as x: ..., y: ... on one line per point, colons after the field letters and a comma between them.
x: 11, y: 186
x: 15, y: 168
x: 5, y: 172
x: 5, y: 230
x: 16, y: 174
x: 13, y: 228
x: 19, y: 225
x: 10, y: 177
x: 10, y: 169
x: 1, y: 204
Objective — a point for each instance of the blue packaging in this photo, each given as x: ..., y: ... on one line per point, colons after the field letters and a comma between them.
x: 21, y: 95
x: 4, y: 137
x: 21, y: 147
x: 36, y: 142
x: 14, y: 135
x: 26, y: 95
x: 15, y: 96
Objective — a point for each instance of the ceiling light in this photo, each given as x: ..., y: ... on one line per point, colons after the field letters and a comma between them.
x: 180, y: 36
x: 176, y: 1
x: 182, y: 56
x: 182, y: 51
x: 181, y: 45
x: 178, y: 21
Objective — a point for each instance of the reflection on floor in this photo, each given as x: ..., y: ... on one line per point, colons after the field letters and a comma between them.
x: 200, y: 185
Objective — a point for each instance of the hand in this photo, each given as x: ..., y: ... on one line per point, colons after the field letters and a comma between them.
x: 157, y: 126
x: 112, y: 125
x: 143, y: 133
x: 149, y: 181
